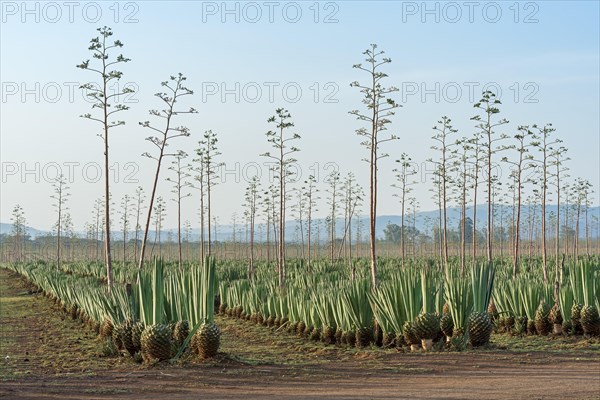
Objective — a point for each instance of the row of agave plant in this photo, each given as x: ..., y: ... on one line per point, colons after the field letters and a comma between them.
x: 418, y: 305
x: 158, y: 317
x: 533, y: 307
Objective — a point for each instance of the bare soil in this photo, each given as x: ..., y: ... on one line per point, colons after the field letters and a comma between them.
x: 51, y: 356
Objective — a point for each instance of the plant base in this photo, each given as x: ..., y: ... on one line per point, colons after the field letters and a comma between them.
x: 558, y: 329
x: 427, y: 344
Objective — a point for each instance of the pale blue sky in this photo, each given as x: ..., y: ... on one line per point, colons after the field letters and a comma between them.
x: 553, y: 62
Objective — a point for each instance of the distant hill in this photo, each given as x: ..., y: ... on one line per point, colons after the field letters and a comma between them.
x: 6, y: 229
x: 424, y: 221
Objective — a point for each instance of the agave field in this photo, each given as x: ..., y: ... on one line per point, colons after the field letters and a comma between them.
x: 297, y: 216
x: 163, y: 312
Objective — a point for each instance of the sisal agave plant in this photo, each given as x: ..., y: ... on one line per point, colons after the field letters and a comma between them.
x: 530, y: 300
x: 304, y: 318
x: 359, y: 311
x: 427, y: 325
x: 294, y: 309
x: 157, y: 338
x: 387, y: 304
x: 589, y: 298
x: 283, y: 310
x: 516, y: 310
x: 501, y: 296
x: 343, y: 323
x: 208, y: 336
x: 271, y: 303
x: 457, y: 291
x: 150, y: 294
x: 482, y: 284
x: 324, y: 306
x: 566, y: 302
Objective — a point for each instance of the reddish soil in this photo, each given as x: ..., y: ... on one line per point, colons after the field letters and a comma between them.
x: 472, y: 378
x: 495, y: 374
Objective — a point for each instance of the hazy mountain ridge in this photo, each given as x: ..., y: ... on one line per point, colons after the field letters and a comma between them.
x: 424, y: 219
